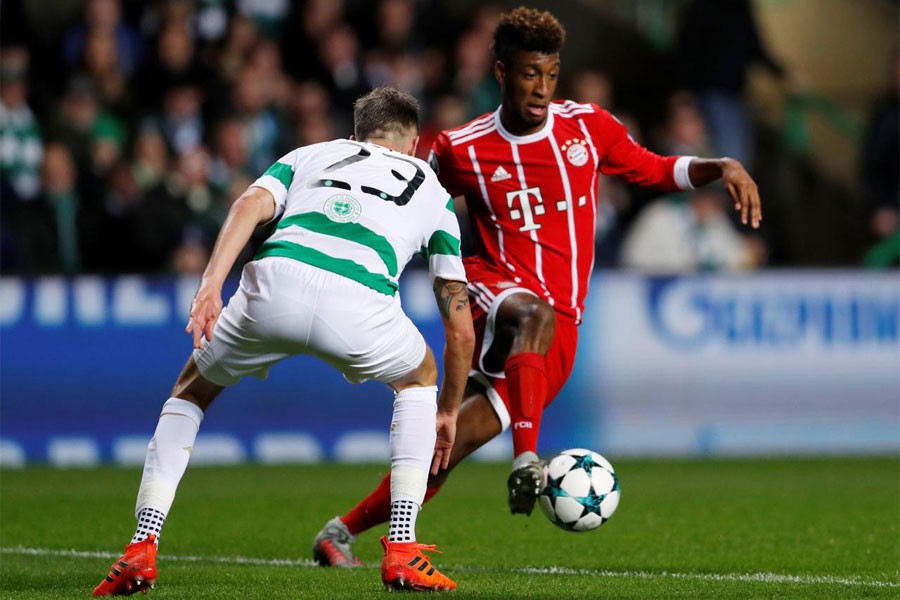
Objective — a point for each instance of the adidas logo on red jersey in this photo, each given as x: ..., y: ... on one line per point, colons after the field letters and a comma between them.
x: 500, y: 174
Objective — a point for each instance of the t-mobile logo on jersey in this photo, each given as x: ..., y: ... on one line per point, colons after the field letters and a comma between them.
x: 523, y: 425
x: 521, y: 206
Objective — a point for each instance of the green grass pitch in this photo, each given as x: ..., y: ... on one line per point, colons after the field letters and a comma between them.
x: 747, y: 528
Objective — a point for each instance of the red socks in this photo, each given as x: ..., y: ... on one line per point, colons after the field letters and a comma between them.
x: 526, y: 384
x: 375, y: 508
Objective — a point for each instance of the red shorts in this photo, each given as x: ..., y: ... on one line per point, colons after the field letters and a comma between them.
x: 487, y: 290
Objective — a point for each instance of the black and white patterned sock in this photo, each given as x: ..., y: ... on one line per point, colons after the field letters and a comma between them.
x: 150, y: 521
x: 403, y: 521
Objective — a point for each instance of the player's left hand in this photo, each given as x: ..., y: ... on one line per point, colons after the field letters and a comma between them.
x: 743, y: 192
x: 205, y: 311
x: 446, y: 434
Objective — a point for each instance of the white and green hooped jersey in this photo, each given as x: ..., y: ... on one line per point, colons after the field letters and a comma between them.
x: 362, y: 211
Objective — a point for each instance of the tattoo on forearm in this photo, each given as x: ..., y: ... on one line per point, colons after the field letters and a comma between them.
x: 452, y: 296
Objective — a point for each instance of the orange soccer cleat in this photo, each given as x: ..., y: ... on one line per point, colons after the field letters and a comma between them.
x: 404, y: 567
x: 133, y: 572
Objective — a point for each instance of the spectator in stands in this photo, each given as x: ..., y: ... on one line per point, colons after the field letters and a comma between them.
x: 241, y: 40
x: 263, y: 124
x: 20, y: 135
x: 182, y: 121
x: 395, y: 26
x: 229, y: 157
x: 269, y: 16
x: 685, y: 130
x: 151, y: 156
x: 101, y: 63
x: 265, y: 59
x: 77, y: 112
x: 880, y: 173
x: 173, y: 64
x: 718, y: 41
x: 686, y: 233
x: 308, y: 23
x: 53, y: 243
x: 474, y: 78
x: 591, y: 85
x: 447, y: 112
x: 338, y: 52
x: 104, y: 17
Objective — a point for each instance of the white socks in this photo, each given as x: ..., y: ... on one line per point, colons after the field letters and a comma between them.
x: 150, y: 521
x: 167, y: 458
x: 413, y: 436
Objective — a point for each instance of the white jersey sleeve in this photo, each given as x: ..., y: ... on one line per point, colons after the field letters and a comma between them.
x: 442, y: 252
x: 278, y: 178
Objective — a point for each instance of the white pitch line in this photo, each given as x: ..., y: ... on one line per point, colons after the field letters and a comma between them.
x: 288, y: 562
x: 752, y: 577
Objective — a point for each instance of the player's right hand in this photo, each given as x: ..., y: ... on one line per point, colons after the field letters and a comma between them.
x: 205, y: 311
x: 446, y: 434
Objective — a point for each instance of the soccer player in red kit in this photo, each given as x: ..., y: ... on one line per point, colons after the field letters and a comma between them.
x: 528, y: 173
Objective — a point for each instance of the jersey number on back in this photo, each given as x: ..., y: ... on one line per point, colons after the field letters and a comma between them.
x: 402, y: 200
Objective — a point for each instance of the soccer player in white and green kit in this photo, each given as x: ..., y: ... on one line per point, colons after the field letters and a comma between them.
x: 349, y: 214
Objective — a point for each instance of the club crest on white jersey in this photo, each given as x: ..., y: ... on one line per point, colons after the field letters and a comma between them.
x: 342, y: 208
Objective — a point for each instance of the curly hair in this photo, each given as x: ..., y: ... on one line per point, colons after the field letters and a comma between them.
x: 528, y: 29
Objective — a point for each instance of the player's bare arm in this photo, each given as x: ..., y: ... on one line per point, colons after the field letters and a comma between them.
x: 453, y: 302
x: 451, y: 296
x: 253, y: 207
x: 737, y: 182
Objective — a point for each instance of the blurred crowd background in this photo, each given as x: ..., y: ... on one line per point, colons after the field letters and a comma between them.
x: 127, y: 128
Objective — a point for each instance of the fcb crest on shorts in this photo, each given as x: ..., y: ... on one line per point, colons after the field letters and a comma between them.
x: 342, y: 208
x: 576, y: 152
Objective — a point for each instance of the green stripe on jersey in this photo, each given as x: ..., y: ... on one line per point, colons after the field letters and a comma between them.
x: 441, y: 243
x: 282, y: 172
x: 341, y: 266
x: 450, y: 205
x: 353, y: 232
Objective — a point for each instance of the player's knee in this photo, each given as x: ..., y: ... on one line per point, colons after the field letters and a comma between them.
x: 195, y: 388
x: 423, y: 375
x: 536, y: 322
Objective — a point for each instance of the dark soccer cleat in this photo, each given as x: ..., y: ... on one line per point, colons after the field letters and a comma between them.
x: 404, y: 567
x: 332, y: 546
x: 524, y: 485
x: 134, y: 571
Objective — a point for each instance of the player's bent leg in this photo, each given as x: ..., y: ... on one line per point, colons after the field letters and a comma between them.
x: 531, y: 323
x: 477, y: 424
x: 167, y: 458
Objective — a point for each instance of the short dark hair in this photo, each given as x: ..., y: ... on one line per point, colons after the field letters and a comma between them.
x: 385, y: 112
x: 528, y: 29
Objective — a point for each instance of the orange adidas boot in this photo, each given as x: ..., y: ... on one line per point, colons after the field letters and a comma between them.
x: 404, y: 567
x: 133, y: 572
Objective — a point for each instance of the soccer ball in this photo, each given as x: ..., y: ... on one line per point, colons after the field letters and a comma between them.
x: 581, y: 490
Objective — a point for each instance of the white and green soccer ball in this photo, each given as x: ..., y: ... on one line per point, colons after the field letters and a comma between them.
x: 581, y: 490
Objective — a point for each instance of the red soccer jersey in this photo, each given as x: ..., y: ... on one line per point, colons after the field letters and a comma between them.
x: 532, y: 200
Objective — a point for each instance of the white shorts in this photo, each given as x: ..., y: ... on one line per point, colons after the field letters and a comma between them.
x: 284, y: 307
